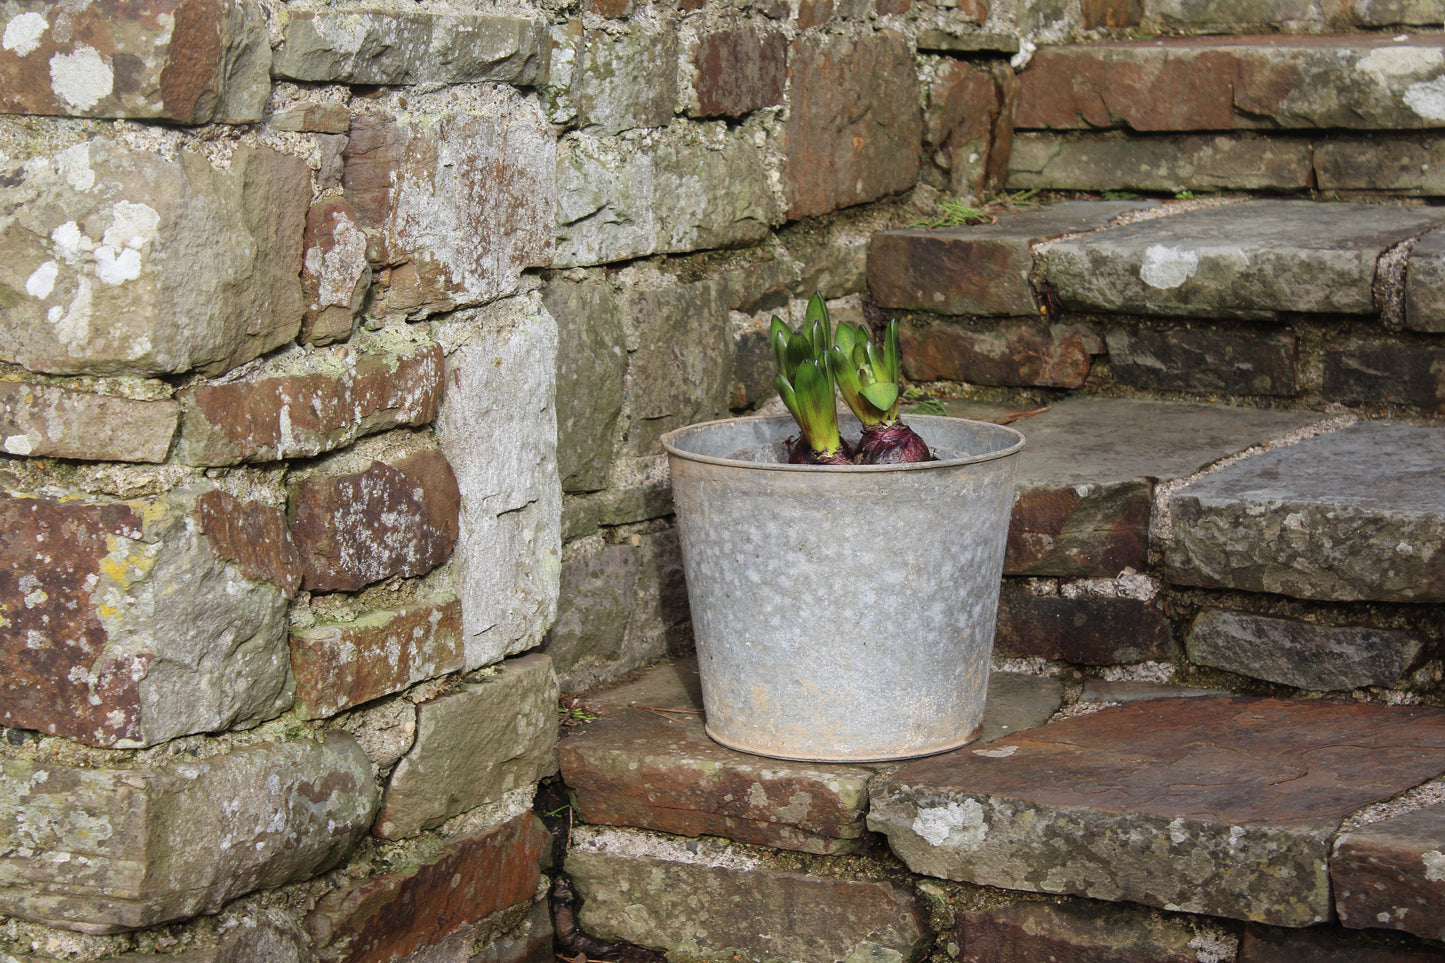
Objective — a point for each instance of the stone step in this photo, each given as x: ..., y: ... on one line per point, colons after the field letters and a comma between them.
x: 1305, y: 817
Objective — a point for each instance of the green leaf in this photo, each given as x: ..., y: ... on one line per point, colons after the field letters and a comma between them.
x: 844, y: 337
x: 778, y: 340
x: 881, y: 394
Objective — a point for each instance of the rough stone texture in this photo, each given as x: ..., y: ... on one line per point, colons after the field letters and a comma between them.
x: 498, y: 426
x: 1118, y: 161
x: 1084, y: 631
x: 334, y: 272
x: 89, y: 240
x: 640, y: 491
x: 1241, y: 260
x: 1392, y: 874
x: 106, y: 850
x: 1204, y: 360
x: 1083, y: 497
x: 1390, y: 13
x: 854, y: 122
x: 647, y: 763
x: 124, y: 627
x: 47, y: 421
x: 430, y: 186
x: 473, y: 746
x: 188, y: 61
x: 1332, y: 944
x: 1301, y: 654
x: 438, y: 892
x: 626, y: 76
x: 1359, y: 82
x: 738, y: 69
x: 1077, y: 931
x: 660, y: 893
x: 687, y: 187
x: 681, y: 329
x: 357, y: 528
x: 591, y: 363
x: 1222, y: 806
x: 1024, y: 353
x: 1380, y: 162
x: 967, y: 124
x: 621, y: 606
x: 1252, y: 16
x: 976, y: 270
x: 1357, y: 514
x: 1425, y: 284
x: 530, y: 941
x: 302, y: 402
x: 387, y: 47
x: 1386, y: 372
x: 344, y: 665
x: 252, y: 535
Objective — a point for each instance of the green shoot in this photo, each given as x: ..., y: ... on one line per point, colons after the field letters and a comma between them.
x: 805, y: 381
x: 868, y: 374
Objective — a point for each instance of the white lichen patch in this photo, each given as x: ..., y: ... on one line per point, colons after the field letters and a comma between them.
x: 1129, y: 585
x: 23, y: 33
x: 1427, y: 98
x: 705, y: 851
x: 82, y: 79
x: 1168, y: 267
x: 1434, y: 862
x: 42, y: 280
x: 1140, y: 672
x: 962, y: 823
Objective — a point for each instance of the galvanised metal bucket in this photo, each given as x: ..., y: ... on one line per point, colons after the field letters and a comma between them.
x: 843, y: 614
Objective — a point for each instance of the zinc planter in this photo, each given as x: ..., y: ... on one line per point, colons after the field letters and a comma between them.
x: 843, y: 614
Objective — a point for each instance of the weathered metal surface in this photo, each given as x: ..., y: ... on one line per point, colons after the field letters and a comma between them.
x: 843, y: 614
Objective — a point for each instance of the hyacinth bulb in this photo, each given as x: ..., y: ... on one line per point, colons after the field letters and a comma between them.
x: 868, y: 377
x: 805, y: 383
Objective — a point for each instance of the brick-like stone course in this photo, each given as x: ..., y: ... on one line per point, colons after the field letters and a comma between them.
x: 107, y: 850
x: 1391, y: 874
x: 626, y: 76
x: 183, y: 61
x: 1084, y: 631
x: 1234, y: 363
x: 335, y: 274
x: 47, y: 421
x: 302, y: 403
x: 1024, y: 353
x: 968, y: 124
x: 1425, y: 285
x: 1386, y: 372
x: 473, y: 746
x: 738, y: 69
x: 1077, y: 931
x: 591, y: 363
x: 1164, y: 164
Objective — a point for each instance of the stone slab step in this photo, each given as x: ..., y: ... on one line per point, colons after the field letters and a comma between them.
x: 1391, y: 874
x: 1226, y: 806
x: 1354, y: 514
x: 646, y: 763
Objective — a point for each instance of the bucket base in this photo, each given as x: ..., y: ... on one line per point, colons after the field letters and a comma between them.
x: 845, y: 757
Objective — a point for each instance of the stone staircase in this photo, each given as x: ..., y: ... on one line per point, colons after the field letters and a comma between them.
x: 1215, y: 728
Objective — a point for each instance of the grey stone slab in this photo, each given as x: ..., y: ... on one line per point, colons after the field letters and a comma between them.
x: 1246, y: 260
x: 1425, y: 284
x: 1356, y: 514
x: 1302, y: 654
x: 1225, y: 806
x: 1194, y: 162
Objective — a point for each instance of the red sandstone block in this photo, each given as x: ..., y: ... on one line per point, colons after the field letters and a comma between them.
x: 1009, y: 353
x: 1391, y: 874
x: 739, y: 69
x: 1084, y: 631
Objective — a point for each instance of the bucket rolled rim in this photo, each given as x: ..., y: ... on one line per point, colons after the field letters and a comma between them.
x: 670, y: 444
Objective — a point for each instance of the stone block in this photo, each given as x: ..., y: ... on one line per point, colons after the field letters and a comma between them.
x: 1129, y: 804
x: 437, y: 892
x: 117, y: 261
x: 984, y: 269
x: 183, y: 61
x: 854, y: 122
x: 681, y: 330
x: 1320, y: 520
x: 639, y: 490
x: 125, y: 626
x: 334, y: 272
x: 1425, y: 285
x: 591, y: 363
x: 1247, y: 260
x: 1159, y: 164
x: 367, y: 45
x: 356, y: 528
x: 1112, y: 14
x: 340, y: 666
x: 737, y: 69
x: 413, y: 177
x: 1353, y: 82
x: 108, y: 850
x: 1386, y: 372
x: 704, y: 901
x: 306, y: 402
x: 47, y: 421
x: 1256, y: 16
x: 473, y: 746
x: 252, y: 535
x: 1084, y: 631
x: 626, y: 76
x: 1332, y: 944
x: 1391, y: 13
x: 1305, y: 655
x: 967, y: 124
x: 1204, y: 360
x: 621, y: 606
x: 498, y: 428
x: 688, y: 187
x: 1024, y: 353
x: 1078, y: 931
x: 1092, y: 530
x: 1391, y: 874
x: 1380, y: 162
